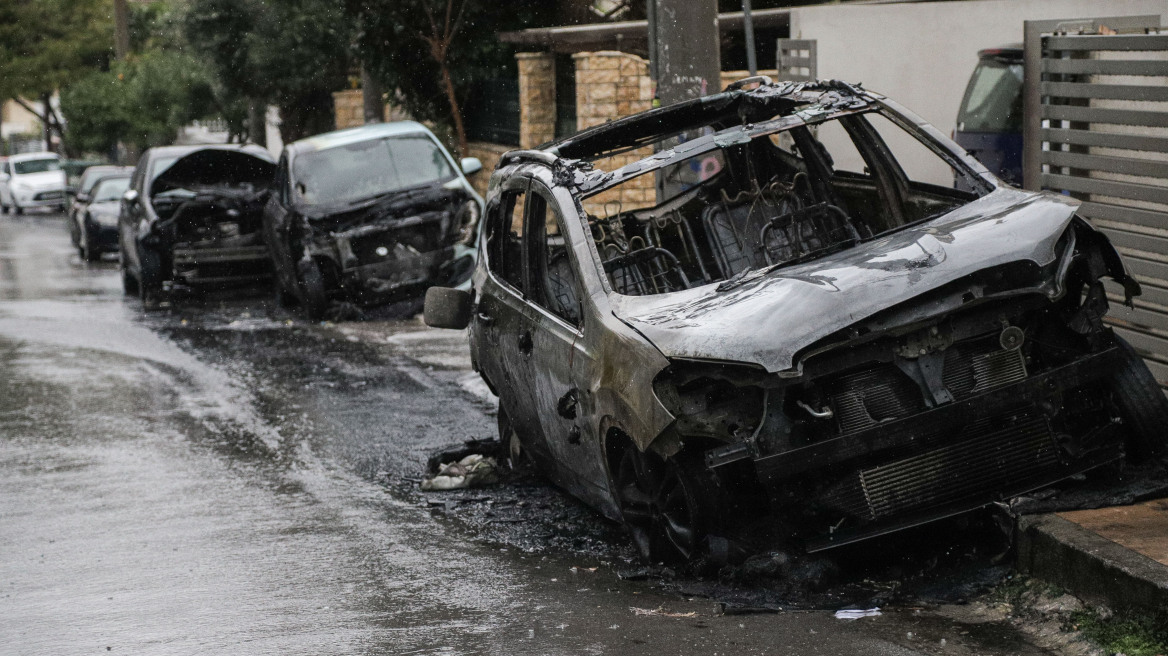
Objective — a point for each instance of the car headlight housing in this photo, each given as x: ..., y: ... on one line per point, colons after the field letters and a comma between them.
x: 468, y: 221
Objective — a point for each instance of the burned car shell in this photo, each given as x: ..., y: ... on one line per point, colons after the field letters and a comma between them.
x: 191, y: 219
x: 791, y: 351
x: 387, y: 245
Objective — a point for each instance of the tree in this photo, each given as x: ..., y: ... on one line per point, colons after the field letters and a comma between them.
x: 47, y: 44
x: 433, y: 52
x: 290, y: 53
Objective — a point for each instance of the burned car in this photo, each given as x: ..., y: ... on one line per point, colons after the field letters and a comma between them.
x: 192, y: 218
x: 808, y: 306
x: 371, y: 215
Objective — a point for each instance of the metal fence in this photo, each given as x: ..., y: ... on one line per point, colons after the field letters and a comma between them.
x: 1099, y: 133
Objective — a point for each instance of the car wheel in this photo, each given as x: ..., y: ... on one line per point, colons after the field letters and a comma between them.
x: 313, y: 296
x: 1141, y: 404
x: 129, y: 282
x: 88, y: 252
x: 664, y: 504
x: 149, y: 278
x: 16, y: 209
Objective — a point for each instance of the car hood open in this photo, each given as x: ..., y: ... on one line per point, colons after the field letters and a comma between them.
x: 215, y: 166
x: 767, y: 318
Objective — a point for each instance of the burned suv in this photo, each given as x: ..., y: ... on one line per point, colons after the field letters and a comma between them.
x: 807, y: 305
x: 191, y: 219
x: 371, y: 215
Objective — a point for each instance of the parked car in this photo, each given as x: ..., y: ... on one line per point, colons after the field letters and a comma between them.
x: 806, y: 328
x: 96, y: 224
x: 32, y: 180
x: 81, y: 193
x: 370, y: 215
x: 989, y: 124
x: 75, y: 169
x: 191, y: 219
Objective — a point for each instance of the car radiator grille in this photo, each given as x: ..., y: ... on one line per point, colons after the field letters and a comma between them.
x: 882, y: 392
x: 987, y: 457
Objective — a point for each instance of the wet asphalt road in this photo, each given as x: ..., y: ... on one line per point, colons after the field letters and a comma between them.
x: 222, y: 477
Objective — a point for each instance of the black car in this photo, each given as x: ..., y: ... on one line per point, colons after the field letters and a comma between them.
x: 191, y: 219
x: 95, y: 224
x: 370, y: 215
x: 81, y: 192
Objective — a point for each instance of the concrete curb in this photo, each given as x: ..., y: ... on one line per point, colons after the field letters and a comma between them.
x: 1089, y: 566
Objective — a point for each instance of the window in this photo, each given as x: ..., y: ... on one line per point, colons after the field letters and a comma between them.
x: 37, y: 166
x: 993, y: 100
x: 360, y: 171
x: 505, y: 239
x: 555, y: 277
x: 110, y: 189
x: 919, y: 163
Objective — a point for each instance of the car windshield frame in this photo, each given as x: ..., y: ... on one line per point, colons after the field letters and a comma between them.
x: 105, y: 181
x: 598, y: 181
x: 298, y: 172
x: 18, y: 167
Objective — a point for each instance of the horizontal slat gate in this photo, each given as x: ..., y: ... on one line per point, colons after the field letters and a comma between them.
x: 1104, y: 111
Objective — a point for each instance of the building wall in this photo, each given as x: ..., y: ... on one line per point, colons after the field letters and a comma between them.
x: 922, y: 53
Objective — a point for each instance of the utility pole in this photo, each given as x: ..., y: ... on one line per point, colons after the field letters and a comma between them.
x: 372, y: 98
x: 684, y: 49
x: 748, y: 32
x: 121, y: 30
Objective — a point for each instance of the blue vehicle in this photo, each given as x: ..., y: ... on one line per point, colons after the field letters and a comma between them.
x: 989, y: 124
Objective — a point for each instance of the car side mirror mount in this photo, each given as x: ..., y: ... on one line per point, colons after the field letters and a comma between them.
x: 447, y: 307
x: 131, y: 196
x: 471, y: 165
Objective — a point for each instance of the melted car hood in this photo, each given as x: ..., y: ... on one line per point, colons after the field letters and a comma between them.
x: 212, y: 167
x: 768, y: 317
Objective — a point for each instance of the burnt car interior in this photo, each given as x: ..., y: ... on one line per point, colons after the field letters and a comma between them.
x: 773, y: 201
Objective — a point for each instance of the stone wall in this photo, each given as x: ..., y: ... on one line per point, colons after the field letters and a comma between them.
x: 610, y: 85
x: 488, y: 154
x: 537, y: 98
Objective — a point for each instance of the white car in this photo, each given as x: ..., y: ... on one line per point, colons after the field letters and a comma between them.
x: 32, y: 180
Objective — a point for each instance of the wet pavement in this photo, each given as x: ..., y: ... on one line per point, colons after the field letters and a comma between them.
x: 223, y: 477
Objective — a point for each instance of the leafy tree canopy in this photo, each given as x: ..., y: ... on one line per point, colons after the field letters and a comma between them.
x: 46, y: 44
x: 396, y: 40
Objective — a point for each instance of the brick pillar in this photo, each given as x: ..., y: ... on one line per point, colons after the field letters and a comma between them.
x: 537, y: 98
x: 348, y: 108
x: 610, y: 85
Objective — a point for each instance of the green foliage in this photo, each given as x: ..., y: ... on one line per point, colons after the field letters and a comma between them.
x: 1132, y: 636
x: 142, y: 102
x: 392, y: 43
x: 46, y: 44
x: 291, y: 53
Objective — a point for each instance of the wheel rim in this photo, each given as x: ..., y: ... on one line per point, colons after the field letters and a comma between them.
x: 656, y: 507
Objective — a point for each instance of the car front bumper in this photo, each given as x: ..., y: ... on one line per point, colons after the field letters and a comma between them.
x: 952, y: 458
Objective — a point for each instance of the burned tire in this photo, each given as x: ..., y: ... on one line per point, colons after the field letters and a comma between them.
x: 668, y: 505
x: 1141, y: 404
x: 313, y: 296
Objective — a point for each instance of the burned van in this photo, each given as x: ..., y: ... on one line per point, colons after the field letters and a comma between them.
x: 371, y: 215
x: 191, y: 220
x: 805, y: 308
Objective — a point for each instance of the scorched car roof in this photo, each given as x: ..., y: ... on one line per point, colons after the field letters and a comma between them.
x: 356, y: 135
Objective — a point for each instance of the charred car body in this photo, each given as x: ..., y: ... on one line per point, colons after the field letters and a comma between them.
x: 370, y: 215
x: 192, y: 219
x: 816, y: 308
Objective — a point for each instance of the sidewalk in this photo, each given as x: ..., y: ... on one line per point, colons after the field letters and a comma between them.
x: 1115, y: 556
